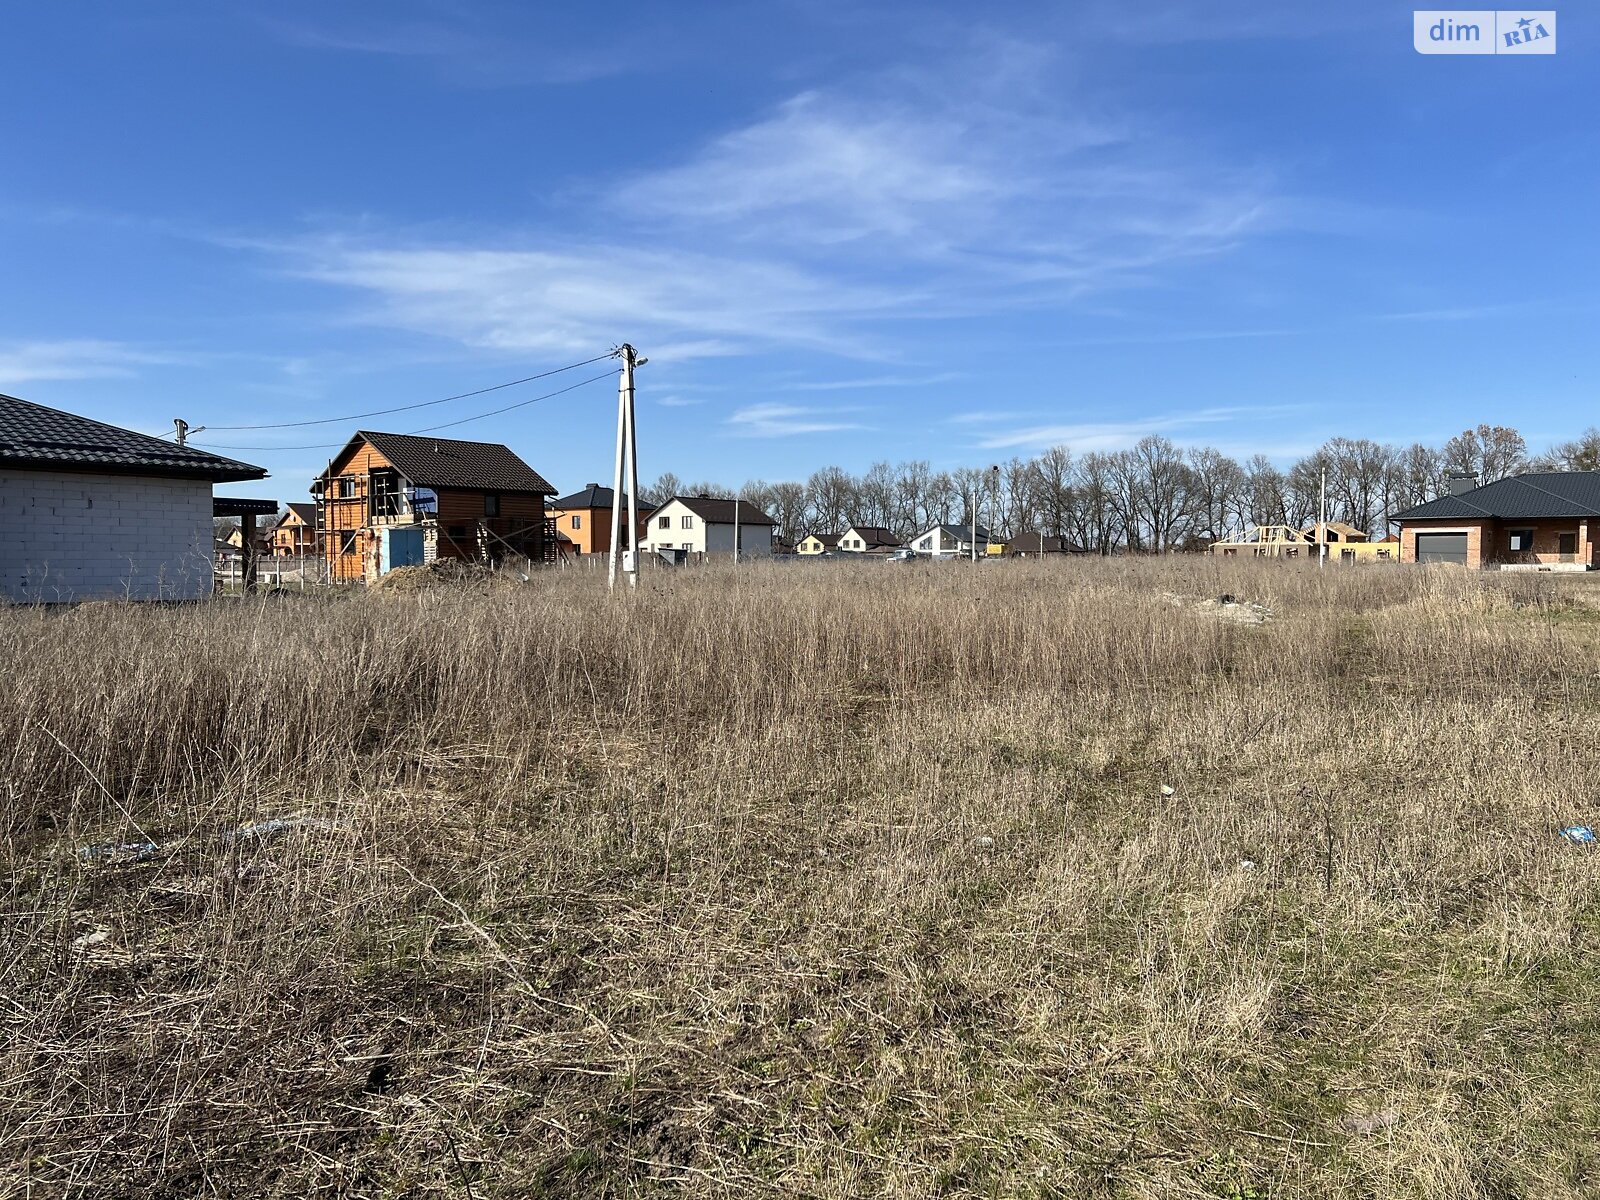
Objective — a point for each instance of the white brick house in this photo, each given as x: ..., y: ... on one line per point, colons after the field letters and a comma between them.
x: 91, y: 511
x: 700, y: 527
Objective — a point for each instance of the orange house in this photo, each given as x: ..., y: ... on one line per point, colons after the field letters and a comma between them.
x: 584, y: 519
x: 393, y: 499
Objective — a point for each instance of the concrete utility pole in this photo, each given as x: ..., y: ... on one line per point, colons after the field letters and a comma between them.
x: 181, y: 430
x: 627, y: 451
x: 1322, y: 523
x: 736, y: 528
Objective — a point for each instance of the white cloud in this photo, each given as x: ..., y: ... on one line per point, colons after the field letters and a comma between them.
x: 1119, y: 435
x: 952, y: 190
x: 80, y: 358
x: 785, y: 420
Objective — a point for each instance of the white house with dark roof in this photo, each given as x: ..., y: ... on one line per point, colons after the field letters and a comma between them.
x: 699, y: 527
x: 949, y: 541
x: 91, y: 511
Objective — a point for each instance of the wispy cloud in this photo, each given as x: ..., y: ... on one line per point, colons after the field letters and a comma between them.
x: 872, y: 383
x: 786, y: 420
x: 24, y: 362
x: 918, y: 194
x: 1118, y: 435
x: 1464, y: 313
x: 678, y: 402
x: 462, y: 46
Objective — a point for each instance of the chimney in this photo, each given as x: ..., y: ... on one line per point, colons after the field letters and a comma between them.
x: 1458, y: 482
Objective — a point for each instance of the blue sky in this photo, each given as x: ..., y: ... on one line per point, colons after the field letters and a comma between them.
x: 840, y: 232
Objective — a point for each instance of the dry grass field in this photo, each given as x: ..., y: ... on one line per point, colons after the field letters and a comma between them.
x: 825, y: 880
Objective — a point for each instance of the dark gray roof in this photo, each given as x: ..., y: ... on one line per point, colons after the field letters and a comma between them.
x: 960, y: 533
x: 432, y: 462
x: 876, y: 535
x: 592, y: 496
x: 306, y: 512
x: 39, y: 438
x: 719, y: 512
x: 1540, y: 494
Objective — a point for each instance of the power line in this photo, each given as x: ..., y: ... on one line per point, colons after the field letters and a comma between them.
x: 430, y: 428
x: 383, y: 412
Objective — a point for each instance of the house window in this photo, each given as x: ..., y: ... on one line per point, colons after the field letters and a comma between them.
x: 577, y: 521
x: 664, y: 523
x: 491, y: 504
x: 1567, y: 544
x: 348, y: 541
x: 688, y: 522
x: 925, y: 544
x: 1521, y: 541
x: 457, y: 532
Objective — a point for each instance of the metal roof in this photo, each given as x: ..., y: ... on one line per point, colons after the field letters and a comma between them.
x: 37, y: 438
x: 432, y: 462
x: 714, y: 511
x: 592, y: 496
x: 1539, y: 494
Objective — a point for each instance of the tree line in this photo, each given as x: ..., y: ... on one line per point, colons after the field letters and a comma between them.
x: 1155, y: 495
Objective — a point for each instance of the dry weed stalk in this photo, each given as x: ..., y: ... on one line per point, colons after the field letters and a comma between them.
x: 820, y: 879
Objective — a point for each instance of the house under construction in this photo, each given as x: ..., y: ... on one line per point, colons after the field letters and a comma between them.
x: 391, y: 499
x: 1345, y: 543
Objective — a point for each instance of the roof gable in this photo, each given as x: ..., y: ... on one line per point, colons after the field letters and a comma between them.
x: 34, y: 437
x: 715, y: 511
x: 451, y: 463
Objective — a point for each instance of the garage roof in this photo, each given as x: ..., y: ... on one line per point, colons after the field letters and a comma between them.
x: 38, y: 438
x: 1540, y: 494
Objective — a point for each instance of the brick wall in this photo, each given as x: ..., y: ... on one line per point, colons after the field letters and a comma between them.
x: 69, y: 536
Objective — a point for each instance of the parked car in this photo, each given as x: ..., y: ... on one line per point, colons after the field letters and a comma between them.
x: 904, y: 554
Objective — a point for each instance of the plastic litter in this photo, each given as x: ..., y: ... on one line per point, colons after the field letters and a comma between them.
x: 1579, y: 835
x: 1372, y: 1122
x: 276, y: 825
x: 984, y: 843
x: 1168, y: 790
x: 119, y: 852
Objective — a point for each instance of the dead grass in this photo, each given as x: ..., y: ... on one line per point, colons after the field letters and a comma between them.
x: 821, y: 879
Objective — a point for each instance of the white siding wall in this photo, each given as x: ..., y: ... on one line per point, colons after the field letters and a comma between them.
x: 701, y: 538
x: 68, y: 536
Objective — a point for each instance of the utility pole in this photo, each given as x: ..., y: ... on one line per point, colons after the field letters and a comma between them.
x: 736, y: 529
x: 1322, y: 523
x: 973, y: 515
x: 627, y: 453
x: 181, y: 430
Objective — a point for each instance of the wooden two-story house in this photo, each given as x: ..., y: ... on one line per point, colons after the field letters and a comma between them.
x: 295, y: 533
x: 394, y: 499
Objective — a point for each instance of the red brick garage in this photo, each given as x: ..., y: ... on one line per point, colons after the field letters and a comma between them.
x: 1543, y: 521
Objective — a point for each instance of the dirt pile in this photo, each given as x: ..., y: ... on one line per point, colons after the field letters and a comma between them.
x: 441, y: 572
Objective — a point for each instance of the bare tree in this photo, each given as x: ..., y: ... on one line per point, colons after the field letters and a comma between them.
x: 789, y: 509
x: 1490, y: 452
x: 1216, y: 483
x: 832, y: 493
x: 666, y: 486
x: 1580, y: 454
x: 1266, y: 491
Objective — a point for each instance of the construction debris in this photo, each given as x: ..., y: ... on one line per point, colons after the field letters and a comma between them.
x: 276, y: 825
x: 1579, y: 835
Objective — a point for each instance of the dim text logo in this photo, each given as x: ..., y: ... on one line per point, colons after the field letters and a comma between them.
x: 1484, y: 31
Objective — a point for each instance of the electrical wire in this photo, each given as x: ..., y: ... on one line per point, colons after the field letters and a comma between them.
x: 383, y: 412
x: 430, y: 428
